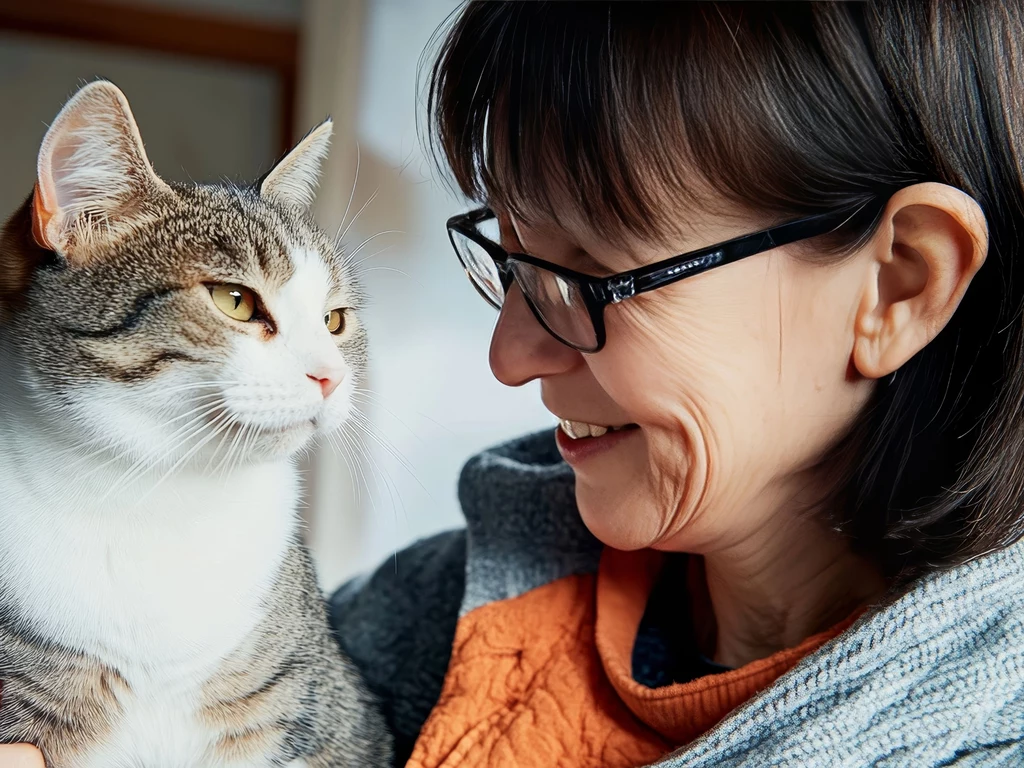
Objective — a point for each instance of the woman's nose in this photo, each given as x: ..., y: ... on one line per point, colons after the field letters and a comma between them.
x: 521, y: 350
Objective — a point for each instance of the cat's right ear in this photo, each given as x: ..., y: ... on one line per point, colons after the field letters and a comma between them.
x: 293, y: 180
x: 92, y: 174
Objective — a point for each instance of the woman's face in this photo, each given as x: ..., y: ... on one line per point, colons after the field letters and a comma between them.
x: 737, y: 381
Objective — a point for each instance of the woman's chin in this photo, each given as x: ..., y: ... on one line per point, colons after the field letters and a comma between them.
x: 613, y: 517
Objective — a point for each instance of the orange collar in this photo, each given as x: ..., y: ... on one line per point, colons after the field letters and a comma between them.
x: 682, y: 711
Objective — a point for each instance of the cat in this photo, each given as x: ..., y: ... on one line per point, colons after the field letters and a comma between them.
x: 165, y: 350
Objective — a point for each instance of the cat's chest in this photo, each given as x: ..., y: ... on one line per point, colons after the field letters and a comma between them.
x: 180, y: 578
x: 162, y: 728
x: 155, y: 730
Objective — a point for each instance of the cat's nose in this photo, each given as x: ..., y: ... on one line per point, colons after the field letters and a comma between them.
x: 328, y: 380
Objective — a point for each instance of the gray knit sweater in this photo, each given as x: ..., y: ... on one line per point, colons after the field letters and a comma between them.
x: 933, y: 677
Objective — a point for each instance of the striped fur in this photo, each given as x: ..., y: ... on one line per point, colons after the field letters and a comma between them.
x: 157, y: 608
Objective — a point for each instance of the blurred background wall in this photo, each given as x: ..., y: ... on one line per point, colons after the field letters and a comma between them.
x: 219, y: 88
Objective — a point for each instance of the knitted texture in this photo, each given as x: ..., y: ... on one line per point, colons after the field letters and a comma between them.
x: 933, y: 677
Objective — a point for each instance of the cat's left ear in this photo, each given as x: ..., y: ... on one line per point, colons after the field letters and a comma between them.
x: 294, y: 179
x: 93, y: 174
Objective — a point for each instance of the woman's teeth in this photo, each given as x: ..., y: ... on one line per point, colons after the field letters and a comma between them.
x: 580, y: 429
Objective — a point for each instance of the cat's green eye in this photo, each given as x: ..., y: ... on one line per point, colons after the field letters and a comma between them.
x: 335, y: 321
x: 235, y: 301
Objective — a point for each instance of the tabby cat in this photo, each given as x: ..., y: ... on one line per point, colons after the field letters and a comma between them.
x: 165, y: 350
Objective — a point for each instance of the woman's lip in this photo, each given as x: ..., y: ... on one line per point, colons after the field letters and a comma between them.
x: 576, y: 452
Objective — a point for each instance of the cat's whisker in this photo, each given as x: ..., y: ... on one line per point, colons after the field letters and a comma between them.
x: 241, y: 443
x: 77, y: 458
x: 399, y: 271
x: 335, y: 442
x: 368, y: 428
x: 355, y: 467
x: 356, y: 217
x: 358, y: 264
x: 358, y: 248
x: 224, y: 466
x: 172, y: 442
x: 201, y: 401
x: 383, y: 476
x: 145, y: 463
x: 359, y: 397
x: 362, y: 420
x: 377, y: 478
x: 351, y: 196
x: 247, y: 446
x: 196, y: 385
x: 206, y: 409
x: 226, y: 420
x: 216, y: 450
x: 377, y: 400
x: 389, y: 483
x: 359, y: 454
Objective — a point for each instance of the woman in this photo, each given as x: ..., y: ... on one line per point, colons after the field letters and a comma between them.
x: 761, y: 259
x: 783, y: 533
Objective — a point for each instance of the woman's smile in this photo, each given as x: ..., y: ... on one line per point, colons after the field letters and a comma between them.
x: 579, y: 441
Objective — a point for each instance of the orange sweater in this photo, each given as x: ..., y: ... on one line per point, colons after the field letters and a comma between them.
x: 545, y: 679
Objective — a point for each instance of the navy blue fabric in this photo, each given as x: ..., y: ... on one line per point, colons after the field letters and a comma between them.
x: 666, y: 651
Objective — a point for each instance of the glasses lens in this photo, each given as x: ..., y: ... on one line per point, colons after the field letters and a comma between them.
x: 559, y: 303
x: 480, y: 267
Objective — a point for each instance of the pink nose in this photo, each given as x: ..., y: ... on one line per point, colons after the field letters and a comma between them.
x: 327, y: 383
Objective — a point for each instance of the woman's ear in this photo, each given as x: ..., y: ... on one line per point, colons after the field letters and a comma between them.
x: 931, y: 241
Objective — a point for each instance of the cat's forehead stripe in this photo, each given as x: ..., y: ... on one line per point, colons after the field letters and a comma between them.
x: 269, y: 234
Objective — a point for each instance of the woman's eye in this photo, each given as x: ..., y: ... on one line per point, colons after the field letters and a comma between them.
x: 235, y: 301
x: 335, y: 321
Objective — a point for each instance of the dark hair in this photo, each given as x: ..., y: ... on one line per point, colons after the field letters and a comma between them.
x: 786, y: 109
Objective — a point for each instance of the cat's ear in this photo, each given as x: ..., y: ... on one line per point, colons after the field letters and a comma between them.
x: 294, y: 179
x: 92, y: 173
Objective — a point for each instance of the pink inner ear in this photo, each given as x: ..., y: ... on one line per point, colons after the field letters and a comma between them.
x: 40, y: 220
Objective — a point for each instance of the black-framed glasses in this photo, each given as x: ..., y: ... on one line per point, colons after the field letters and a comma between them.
x: 570, y: 305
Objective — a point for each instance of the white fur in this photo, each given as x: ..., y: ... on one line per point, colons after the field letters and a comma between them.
x: 162, y: 574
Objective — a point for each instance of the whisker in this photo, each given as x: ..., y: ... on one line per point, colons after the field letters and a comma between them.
x: 367, y: 428
x: 392, y: 269
x: 351, y: 195
x: 347, y: 459
x: 354, y: 218
x: 360, y: 456
x: 226, y: 421
x: 139, y: 466
x: 350, y: 256
x: 358, y: 396
x: 375, y: 253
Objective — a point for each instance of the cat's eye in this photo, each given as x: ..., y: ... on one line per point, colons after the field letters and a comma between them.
x: 335, y: 321
x: 235, y: 301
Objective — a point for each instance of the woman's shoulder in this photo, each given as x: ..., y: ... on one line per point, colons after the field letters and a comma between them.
x: 934, y: 676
